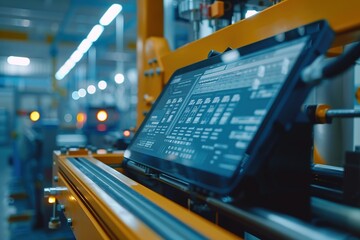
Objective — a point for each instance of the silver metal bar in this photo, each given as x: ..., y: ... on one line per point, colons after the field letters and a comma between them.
x: 345, y: 217
x: 342, y: 113
x: 271, y: 225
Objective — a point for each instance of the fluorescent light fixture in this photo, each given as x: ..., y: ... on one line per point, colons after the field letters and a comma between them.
x: 91, y: 89
x: 95, y: 33
x: 18, y: 61
x: 132, y: 75
x: 75, y: 95
x: 82, y: 92
x: 110, y: 14
x: 61, y: 73
x: 250, y: 13
x: 119, y: 78
x: 69, y: 64
x: 65, y: 69
x: 102, y: 85
x: 76, y: 56
x: 84, y: 45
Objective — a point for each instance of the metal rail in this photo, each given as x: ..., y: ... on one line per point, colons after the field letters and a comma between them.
x: 342, y: 216
x: 157, y: 219
x: 271, y: 225
x: 342, y: 113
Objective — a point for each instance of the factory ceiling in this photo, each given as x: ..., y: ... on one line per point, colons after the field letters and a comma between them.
x: 43, y: 29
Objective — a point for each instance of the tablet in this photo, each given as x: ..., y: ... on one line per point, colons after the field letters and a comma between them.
x: 215, y: 119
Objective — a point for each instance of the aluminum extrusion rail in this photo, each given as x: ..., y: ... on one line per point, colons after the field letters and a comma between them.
x: 160, y: 221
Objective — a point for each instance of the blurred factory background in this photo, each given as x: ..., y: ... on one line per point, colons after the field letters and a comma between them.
x: 66, y: 79
x: 69, y: 77
x: 40, y: 112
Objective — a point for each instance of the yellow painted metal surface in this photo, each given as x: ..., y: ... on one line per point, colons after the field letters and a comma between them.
x: 90, y: 206
x: 155, y: 48
x: 152, y: 83
x: 15, y: 36
x: 150, y: 24
x: 318, y: 159
x: 357, y: 95
x: 286, y: 15
x: 343, y: 18
x: 201, y: 225
x: 217, y: 9
x: 335, y: 51
x: 110, y: 158
x: 84, y: 225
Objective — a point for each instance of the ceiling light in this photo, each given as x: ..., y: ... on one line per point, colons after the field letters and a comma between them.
x: 250, y: 13
x: 101, y: 116
x: 18, y: 61
x: 69, y: 64
x: 76, y: 56
x: 25, y: 23
x: 59, y: 75
x: 102, y: 85
x: 95, y: 33
x: 68, y: 117
x: 110, y: 14
x: 119, y: 78
x: 62, y: 72
x: 132, y: 75
x: 84, y: 45
x: 80, y: 118
x: 34, y: 116
x: 82, y: 92
x: 75, y: 95
x: 91, y: 89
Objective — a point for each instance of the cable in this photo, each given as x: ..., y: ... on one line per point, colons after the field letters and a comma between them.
x: 323, y: 68
x: 343, y: 62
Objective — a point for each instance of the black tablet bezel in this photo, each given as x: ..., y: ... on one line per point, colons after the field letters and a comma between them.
x: 283, y: 111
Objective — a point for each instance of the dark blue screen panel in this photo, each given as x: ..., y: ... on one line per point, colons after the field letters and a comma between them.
x: 206, y: 118
x: 214, y: 121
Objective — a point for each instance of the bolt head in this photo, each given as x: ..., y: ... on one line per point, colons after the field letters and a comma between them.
x: 69, y: 222
x: 63, y: 150
x: 54, y: 223
x: 61, y: 208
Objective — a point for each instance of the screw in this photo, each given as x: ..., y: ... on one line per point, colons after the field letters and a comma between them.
x: 61, y: 208
x: 54, y: 223
x: 151, y: 72
x: 56, y: 178
x: 69, y: 222
x: 63, y: 150
x: 158, y: 71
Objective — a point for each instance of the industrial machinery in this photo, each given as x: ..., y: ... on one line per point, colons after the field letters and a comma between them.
x: 226, y: 151
x: 99, y: 121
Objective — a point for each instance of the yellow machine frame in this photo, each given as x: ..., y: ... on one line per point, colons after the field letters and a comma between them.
x: 342, y: 17
x: 94, y: 214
